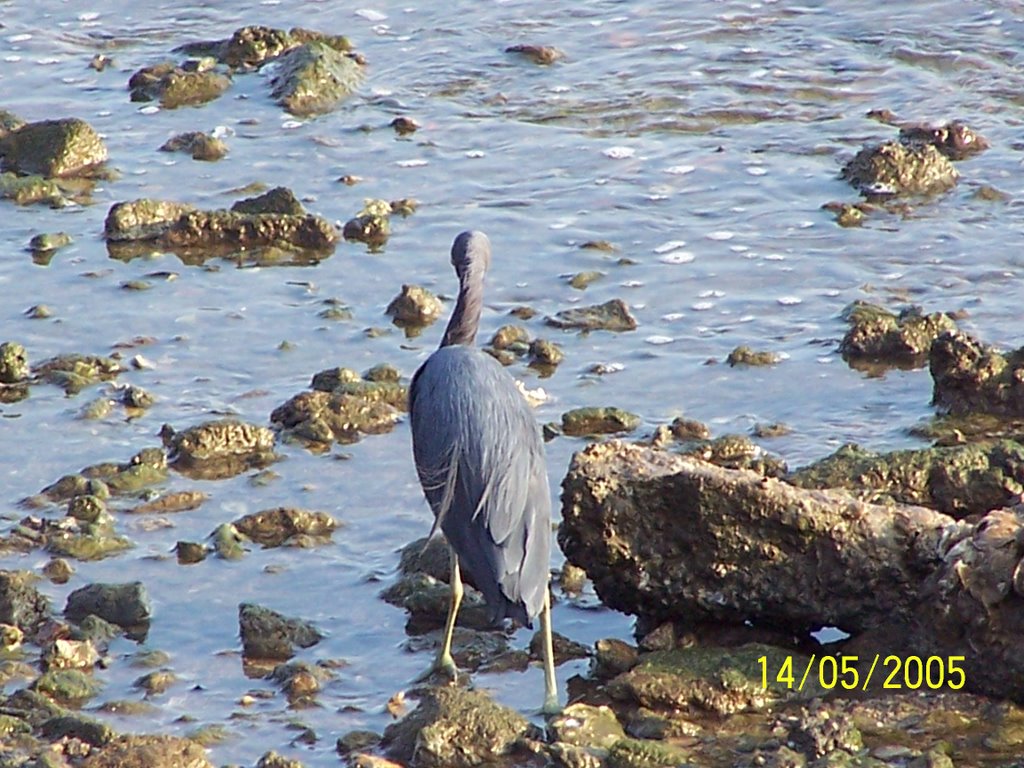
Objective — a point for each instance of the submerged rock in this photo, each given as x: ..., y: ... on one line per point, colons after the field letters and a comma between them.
x: 219, y: 449
x: 415, y: 306
x: 13, y: 363
x: 744, y: 355
x: 613, y: 315
x: 580, y: 422
x: 47, y: 242
x: 454, y: 728
x: 893, y: 168
x: 879, y: 336
x: 312, y: 78
x: 27, y: 190
x: 372, y: 225
x: 53, y: 148
x: 972, y: 377
x: 538, y: 54
x: 267, y: 634
x: 954, y: 139
x: 287, y: 525
x: 174, y: 86
x: 202, y: 146
x: 75, y: 372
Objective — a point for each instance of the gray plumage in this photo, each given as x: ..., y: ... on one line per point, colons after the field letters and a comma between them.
x: 480, y: 457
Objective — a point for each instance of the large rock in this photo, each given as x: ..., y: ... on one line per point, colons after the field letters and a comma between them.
x: 126, y: 605
x: 454, y: 728
x: 49, y: 148
x: 957, y: 480
x: 21, y: 604
x: 671, y: 538
x: 894, y: 168
x: 312, y: 78
x: 266, y: 634
x: 971, y: 377
x: 148, y: 752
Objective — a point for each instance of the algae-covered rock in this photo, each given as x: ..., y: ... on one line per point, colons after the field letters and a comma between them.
x: 972, y: 377
x: 613, y: 315
x: 52, y: 148
x: 736, y: 452
x: 594, y: 421
x: 894, y: 168
x: 644, y: 753
x: 276, y: 200
x: 272, y: 759
x: 143, y: 219
x: 219, y: 449
x: 253, y: 45
x: 372, y: 225
x: 267, y: 634
x: 74, y: 372
x: 538, y: 54
x: 201, y: 146
x: 415, y: 306
x: 512, y: 337
x: 880, y: 336
x: 744, y: 355
x: 73, y: 726
x: 342, y: 407
x: 587, y: 726
x: 312, y: 78
x: 13, y: 363
x: 21, y: 604
x: 27, y: 190
x: 454, y: 728
x: 192, y: 233
x: 68, y: 687
x: 956, y: 140
x: 300, y: 680
x: 545, y: 354
x: 720, y: 680
x: 47, y: 242
x: 132, y: 751
x: 210, y: 229
x: 145, y: 469
x: 126, y: 605
x: 958, y: 480
x: 286, y: 525
x: 612, y: 657
x: 819, y: 732
x: 174, y: 86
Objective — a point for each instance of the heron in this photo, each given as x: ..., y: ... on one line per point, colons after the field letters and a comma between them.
x: 480, y: 459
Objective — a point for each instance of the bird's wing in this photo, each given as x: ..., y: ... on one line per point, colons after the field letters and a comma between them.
x: 481, y: 462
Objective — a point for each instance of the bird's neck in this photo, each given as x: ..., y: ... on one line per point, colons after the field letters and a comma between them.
x: 466, y: 318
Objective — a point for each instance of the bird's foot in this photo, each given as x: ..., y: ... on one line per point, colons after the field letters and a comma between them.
x: 444, y: 665
x: 551, y: 707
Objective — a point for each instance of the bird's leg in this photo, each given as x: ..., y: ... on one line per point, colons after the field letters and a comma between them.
x: 551, y: 706
x: 444, y: 662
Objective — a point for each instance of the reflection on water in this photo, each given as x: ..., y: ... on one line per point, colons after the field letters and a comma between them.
x: 699, y: 140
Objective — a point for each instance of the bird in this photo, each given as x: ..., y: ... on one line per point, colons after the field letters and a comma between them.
x: 479, y: 456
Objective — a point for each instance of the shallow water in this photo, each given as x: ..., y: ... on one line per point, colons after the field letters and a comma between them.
x: 700, y: 138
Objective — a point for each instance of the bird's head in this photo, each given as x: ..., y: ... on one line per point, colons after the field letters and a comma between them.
x: 471, y: 253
